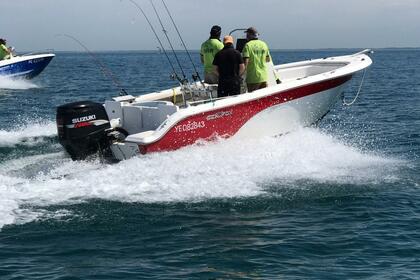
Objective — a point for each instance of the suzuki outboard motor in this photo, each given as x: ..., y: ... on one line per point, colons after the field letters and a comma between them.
x: 82, y: 128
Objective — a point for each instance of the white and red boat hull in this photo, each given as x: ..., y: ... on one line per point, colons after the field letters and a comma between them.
x: 272, y: 115
x: 127, y: 125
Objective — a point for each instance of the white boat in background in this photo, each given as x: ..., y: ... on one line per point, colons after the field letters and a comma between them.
x: 25, y: 66
x: 127, y: 126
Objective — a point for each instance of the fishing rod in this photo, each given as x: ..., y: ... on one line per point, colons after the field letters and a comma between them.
x: 169, y: 41
x: 183, y: 44
x: 108, y: 73
x: 160, y: 42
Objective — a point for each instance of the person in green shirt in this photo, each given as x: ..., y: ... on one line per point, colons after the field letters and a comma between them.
x: 208, y: 50
x: 5, y: 52
x: 255, y: 54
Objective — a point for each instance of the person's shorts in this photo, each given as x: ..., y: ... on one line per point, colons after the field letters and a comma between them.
x: 229, y: 87
x: 252, y: 87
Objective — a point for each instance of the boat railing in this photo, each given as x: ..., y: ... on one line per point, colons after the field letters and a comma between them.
x: 365, y: 51
x: 194, y: 94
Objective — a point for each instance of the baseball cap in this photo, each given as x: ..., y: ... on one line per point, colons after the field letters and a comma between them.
x: 215, y: 30
x: 252, y: 30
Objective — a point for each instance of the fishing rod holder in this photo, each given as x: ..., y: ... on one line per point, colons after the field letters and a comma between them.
x: 195, y: 77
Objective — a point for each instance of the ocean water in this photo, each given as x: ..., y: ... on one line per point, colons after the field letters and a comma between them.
x: 336, y: 201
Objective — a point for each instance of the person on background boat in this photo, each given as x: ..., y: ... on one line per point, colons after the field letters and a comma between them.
x: 229, y: 66
x: 5, y: 52
x: 208, y: 50
x: 255, y: 54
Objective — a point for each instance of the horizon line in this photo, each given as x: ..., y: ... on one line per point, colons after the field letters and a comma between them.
x: 197, y: 50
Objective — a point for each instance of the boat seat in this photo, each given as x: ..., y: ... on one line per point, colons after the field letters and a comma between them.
x: 156, y: 112
x: 140, y: 116
x: 132, y: 119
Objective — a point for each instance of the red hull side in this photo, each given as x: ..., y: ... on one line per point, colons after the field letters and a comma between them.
x: 227, y: 121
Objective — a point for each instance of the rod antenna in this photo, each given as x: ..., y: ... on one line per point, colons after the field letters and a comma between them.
x: 197, y: 75
x: 169, y: 41
x: 105, y: 70
x: 157, y: 38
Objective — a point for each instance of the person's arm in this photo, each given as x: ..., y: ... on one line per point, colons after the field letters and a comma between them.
x: 10, y: 51
x: 246, y: 61
x: 268, y: 57
x: 216, y: 64
x: 245, y: 55
x: 216, y: 70
x: 201, y: 55
x: 241, y: 69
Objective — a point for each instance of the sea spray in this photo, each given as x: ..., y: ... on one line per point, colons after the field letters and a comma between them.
x: 27, y: 133
x: 226, y: 169
x: 16, y: 84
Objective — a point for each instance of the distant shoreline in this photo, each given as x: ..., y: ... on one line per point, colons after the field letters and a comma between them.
x: 195, y: 51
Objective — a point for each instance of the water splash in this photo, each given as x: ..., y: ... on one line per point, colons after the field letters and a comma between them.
x: 27, y: 134
x: 229, y: 169
x: 16, y: 84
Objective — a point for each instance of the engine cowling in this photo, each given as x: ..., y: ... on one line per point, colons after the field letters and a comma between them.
x: 82, y: 128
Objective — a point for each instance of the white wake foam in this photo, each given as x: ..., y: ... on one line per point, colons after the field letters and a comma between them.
x: 9, y: 83
x: 27, y: 134
x: 230, y: 169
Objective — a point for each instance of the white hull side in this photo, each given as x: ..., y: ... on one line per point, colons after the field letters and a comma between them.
x: 288, y: 116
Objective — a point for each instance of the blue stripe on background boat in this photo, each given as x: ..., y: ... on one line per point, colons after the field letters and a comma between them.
x: 25, y: 66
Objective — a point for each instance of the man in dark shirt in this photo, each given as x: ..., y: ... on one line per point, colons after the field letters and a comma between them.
x: 229, y: 65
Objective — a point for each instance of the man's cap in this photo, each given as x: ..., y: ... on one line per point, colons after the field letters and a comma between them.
x: 3, y: 40
x: 252, y: 30
x: 228, y: 39
x: 215, y: 30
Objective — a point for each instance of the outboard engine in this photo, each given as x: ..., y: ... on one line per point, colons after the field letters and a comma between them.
x: 82, y: 128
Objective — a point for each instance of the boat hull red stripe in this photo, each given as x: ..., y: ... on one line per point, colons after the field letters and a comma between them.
x: 226, y: 121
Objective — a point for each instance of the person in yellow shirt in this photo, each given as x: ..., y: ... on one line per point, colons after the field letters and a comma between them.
x: 255, y: 54
x: 208, y: 50
x: 5, y: 52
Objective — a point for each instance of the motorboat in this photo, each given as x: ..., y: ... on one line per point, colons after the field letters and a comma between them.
x: 25, y: 66
x: 127, y: 125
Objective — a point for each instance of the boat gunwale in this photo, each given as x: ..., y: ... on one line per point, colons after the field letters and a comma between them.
x: 22, y: 58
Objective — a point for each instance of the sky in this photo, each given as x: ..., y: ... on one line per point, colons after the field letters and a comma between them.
x: 33, y: 25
